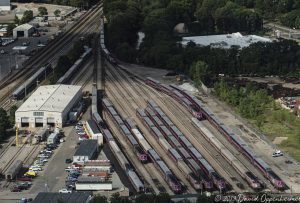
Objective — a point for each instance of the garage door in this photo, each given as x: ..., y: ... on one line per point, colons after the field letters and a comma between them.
x: 25, y: 120
x: 39, y: 119
x: 50, y: 120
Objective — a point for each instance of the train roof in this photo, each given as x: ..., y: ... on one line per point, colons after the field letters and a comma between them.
x: 125, y: 130
x: 176, y: 131
x: 130, y: 123
x: 174, y: 153
x: 157, y: 131
x: 135, y: 179
x: 159, y: 111
x: 148, y: 121
x: 166, y: 131
x: 112, y: 110
x: 141, y: 112
x: 119, y: 120
x: 154, y: 154
x: 150, y: 112
x: 174, y: 141
x: 249, y: 151
x: 194, y: 164
x: 184, y: 153
x: 262, y: 163
x: 132, y: 140
x: 108, y: 134
x: 167, y: 120
x: 185, y: 141
x: 137, y: 133
x: 195, y: 152
x: 106, y: 102
x: 216, y: 120
x: 163, y: 167
x: 157, y: 120
x: 97, y: 117
x: 152, y: 103
x: 206, y: 165
x: 207, y: 111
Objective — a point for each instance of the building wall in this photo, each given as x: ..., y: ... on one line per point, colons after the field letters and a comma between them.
x: 4, y: 8
x: 27, y: 33
x: 56, y: 115
x: 68, y: 108
x: 93, y: 186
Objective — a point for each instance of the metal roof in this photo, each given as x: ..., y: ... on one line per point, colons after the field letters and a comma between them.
x: 74, y: 197
x: 22, y: 27
x: 5, y: 3
x: 93, y: 126
x: 86, y: 148
x: 50, y: 98
x: 226, y: 40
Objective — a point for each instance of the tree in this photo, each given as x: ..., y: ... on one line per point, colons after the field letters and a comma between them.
x: 57, y: 13
x: 10, y: 28
x: 27, y: 16
x: 42, y: 11
x: 200, y: 73
x: 4, y: 123
x: 99, y: 199
x: 12, y: 112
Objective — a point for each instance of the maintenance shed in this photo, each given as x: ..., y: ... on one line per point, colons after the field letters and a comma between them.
x: 48, y: 105
x: 94, y: 131
x: 24, y: 30
x: 74, y: 197
x: 5, y: 5
x: 13, y: 170
x: 88, y: 149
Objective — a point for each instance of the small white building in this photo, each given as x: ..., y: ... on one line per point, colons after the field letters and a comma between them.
x: 25, y: 30
x: 5, y: 5
x: 48, y: 105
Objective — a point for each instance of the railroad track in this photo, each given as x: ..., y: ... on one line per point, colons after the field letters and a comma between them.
x: 221, y: 160
x: 138, y: 100
x: 145, y: 171
x: 86, y: 21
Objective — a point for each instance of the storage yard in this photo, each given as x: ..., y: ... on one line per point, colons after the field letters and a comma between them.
x: 120, y: 132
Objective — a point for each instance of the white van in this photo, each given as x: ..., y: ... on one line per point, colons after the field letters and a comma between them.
x: 277, y: 153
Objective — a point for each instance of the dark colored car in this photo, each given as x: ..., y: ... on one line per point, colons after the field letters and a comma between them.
x: 68, y: 161
x: 23, y: 187
x: 15, y: 189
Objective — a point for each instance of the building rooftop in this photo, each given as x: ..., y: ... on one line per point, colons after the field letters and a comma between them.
x: 86, y: 148
x: 74, y: 197
x: 5, y: 3
x: 225, y: 41
x: 25, y: 26
x: 92, y: 179
x: 50, y: 98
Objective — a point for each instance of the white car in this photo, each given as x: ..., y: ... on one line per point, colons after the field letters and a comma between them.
x: 277, y: 153
x: 36, y: 169
x: 64, y: 190
x: 81, y: 133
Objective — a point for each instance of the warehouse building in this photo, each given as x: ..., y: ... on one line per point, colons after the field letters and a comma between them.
x: 24, y: 30
x: 74, y: 197
x: 48, y: 105
x: 88, y: 150
x: 5, y: 5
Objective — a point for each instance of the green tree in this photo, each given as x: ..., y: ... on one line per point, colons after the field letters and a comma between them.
x: 42, y: 11
x: 12, y: 112
x: 27, y: 16
x: 10, y: 28
x: 200, y: 73
x: 57, y: 13
x: 4, y: 123
x: 99, y: 199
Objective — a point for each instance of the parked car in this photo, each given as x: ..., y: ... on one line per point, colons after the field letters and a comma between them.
x: 15, y: 189
x: 68, y: 161
x: 23, y: 187
x: 64, y: 190
x: 71, y: 178
x: 277, y: 153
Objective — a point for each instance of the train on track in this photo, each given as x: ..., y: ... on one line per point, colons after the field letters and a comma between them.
x: 74, y: 68
x: 32, y: 82
x: 203, y: 112
x: 207, y: 175
x: 124, y: 163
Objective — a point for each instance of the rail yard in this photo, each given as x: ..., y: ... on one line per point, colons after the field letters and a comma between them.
x: 163, y: 138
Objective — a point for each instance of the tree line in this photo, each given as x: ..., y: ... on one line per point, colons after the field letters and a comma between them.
x: 160, y: 47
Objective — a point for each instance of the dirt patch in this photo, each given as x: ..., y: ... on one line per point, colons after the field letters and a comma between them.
x: 278, y: 140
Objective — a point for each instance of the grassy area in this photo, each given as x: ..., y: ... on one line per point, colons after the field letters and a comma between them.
x: 281, y: 123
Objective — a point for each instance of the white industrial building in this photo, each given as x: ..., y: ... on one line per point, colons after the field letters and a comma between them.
x: 92, y: 183
x: 5, y: 5
x: 48, y: 105
x: 225, y: 41
x: 24, y: 30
